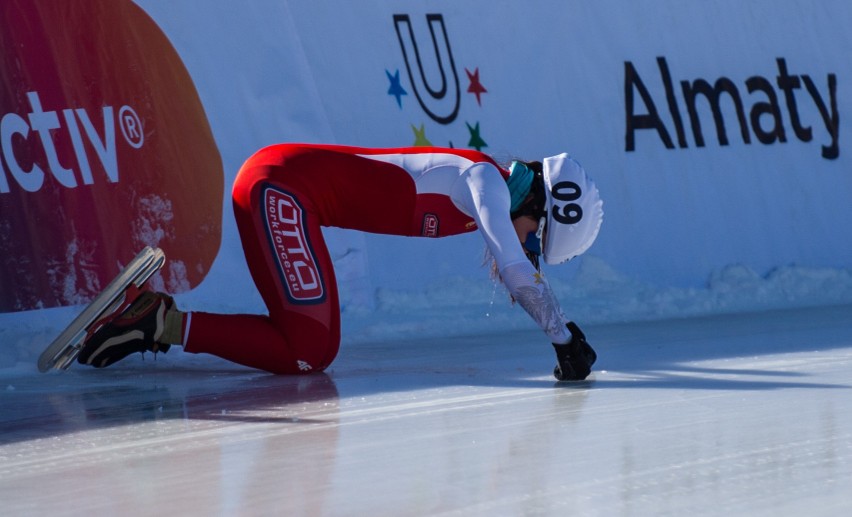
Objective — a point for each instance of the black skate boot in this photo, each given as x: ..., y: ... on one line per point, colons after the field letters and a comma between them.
x: 575, y: 359
x: 136, y: 329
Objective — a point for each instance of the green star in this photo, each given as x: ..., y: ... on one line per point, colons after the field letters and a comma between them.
x: 476, y: 141
x: 420, y: 139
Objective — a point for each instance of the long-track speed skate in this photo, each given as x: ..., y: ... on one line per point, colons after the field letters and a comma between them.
x: 120, y: 292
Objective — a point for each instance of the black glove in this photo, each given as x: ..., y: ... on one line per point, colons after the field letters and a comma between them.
x: 575, y: 359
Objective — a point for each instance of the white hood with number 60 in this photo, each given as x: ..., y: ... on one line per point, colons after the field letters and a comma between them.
x: 574, y: 209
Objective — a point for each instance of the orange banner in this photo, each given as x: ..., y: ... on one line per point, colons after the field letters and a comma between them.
x: 105, y: 149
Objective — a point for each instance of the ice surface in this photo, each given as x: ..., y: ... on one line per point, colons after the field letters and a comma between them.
x: 442, y: 400
x: 745, y: 414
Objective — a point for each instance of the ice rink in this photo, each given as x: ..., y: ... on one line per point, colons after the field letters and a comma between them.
x: 747, y: 414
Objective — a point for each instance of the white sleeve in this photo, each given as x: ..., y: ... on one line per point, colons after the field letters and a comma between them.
x: 532, y: 292
x: 483, y: 195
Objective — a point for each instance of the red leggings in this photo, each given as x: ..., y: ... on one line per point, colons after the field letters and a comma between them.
x: 282, y: 196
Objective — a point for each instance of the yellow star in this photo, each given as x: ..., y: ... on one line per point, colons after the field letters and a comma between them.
x: 538, y: 278
x: 420, y: 139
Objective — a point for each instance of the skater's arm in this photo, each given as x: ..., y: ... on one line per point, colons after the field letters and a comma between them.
x: 532, y: 292
x: 488, y: 201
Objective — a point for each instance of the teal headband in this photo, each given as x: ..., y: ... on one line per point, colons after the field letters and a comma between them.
x: 519, y: 182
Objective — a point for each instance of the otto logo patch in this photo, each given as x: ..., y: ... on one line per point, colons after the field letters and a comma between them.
x: 297, y: 265
x: 430, y: 225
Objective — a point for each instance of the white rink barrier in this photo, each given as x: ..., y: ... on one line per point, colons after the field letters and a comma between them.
x: 716, y: 131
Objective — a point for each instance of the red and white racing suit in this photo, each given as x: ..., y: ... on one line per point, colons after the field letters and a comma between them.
x: 285, y: 193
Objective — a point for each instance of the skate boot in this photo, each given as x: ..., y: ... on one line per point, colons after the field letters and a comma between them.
x: 113, y: 299
x: 575, y: 359
x: 136, y: 329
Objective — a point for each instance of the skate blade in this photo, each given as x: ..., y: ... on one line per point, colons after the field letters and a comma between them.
x: 66, y: 347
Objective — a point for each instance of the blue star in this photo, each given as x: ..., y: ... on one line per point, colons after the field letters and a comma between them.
x: 396, y: 88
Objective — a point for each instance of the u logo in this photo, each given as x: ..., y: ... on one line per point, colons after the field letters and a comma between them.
x: 442, y: 103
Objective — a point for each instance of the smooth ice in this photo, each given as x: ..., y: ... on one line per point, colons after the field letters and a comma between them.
x: 746, y: 414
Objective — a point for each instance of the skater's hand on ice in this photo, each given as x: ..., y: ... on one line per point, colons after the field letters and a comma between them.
x: 574, y: 359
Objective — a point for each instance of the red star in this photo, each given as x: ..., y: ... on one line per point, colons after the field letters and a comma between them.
x: 475, y: 87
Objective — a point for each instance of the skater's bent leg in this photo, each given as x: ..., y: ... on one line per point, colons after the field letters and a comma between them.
x: 249, y: 340
x: 291, y: 268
